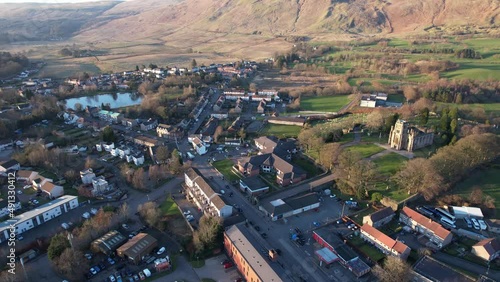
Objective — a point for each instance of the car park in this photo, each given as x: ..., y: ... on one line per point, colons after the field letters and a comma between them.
x: 111, y: 261
x: 112, y: 278
x: 102, y: 266
x: 93, y: 271
x: 222, y: 192
x: 141, y: 275
x: 187, y: 212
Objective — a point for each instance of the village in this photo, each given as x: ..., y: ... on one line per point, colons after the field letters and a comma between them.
x: 284, y: 199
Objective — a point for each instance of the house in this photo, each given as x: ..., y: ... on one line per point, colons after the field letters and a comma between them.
x: 26, y: 175
x: 242, y: 247
x: 218, y: 105
x: 238, y: 108
x: 138, y: 159
x: 146, y: 141
x: 406, y: 137
x: 7, y: 207
x: 105, y: 147
x: 261, y: 108
x: 384, y: 243
x: 487, y: 249
x: 253, y: 186
x: 282, y: 208
x: 236, y: 126
x: 37, y: 216
x: 379, y: 218
x: 110, y: 116
x: 9, y: 165
x: 438, y: 236
x: 149, y: 125
x: 52, y: 190
x: 203, y: 195
x: 99, y: 185
x: 210, y: 128
x: 137, y: 248
x: 129, y: 122
x: 347, y: 257
x: 220, y: 115
x: 87, y: 175
x: 200, y: 146
x: 39, y: 181
x: 169, y: 132
x: 373, y: 100
x: 274, y: 158
x: 108, y: 243
x: 298, y: 121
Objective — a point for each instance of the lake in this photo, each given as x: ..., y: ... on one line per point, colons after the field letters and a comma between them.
x: 118, y: 100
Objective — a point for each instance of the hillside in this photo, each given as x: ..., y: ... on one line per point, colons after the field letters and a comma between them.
x: 300, y: 17
x: 156, y: 19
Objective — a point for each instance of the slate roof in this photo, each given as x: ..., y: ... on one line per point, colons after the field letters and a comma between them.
x: 491, y: 245
x: 282, y: 206
x: 381, y: 214
x: 10, y: 163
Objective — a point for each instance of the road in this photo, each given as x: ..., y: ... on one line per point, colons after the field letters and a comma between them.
x: 292, y: 260
x: 467, y: 265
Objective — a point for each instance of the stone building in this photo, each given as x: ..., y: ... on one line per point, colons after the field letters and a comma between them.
x: 406, y: 137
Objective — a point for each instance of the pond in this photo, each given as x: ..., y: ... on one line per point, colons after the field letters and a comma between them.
x: 116, y: 100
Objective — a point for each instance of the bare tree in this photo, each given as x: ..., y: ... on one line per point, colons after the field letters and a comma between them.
x: 394, y: 270
x: 209, y: 233
x: 71, y: 175
x: 476, y: 196
x: 138, y: 179
x: 72, y: 264
x: 329, y: 154
x: 162, y: 154
x: 150, y: 213
x: 89, y: 162
x: 375, y: 120
x: 411, y: 93
x: 419, y: 175
x: 218, y: 132
x: 123, y: 212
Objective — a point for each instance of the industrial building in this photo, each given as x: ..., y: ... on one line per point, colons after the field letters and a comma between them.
x: 108, y: 243
x: 138, y: 247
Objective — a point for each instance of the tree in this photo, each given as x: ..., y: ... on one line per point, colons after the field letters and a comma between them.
x: 162, y: 154
x: 209, y: 234
x: 150, y: 213
x: 377, y: 197
x: 218, y: 132
x: 419, y: 175
x: 108, y: 135
x: 57, y: 245
x: 242, y: 133
x: 194, y: 63
x: 411, y: 93
x: 355, y: 174
x: 138, y: 179
x: 175, y: 164
x: 84, y: 191
x: 71, y: 175
x: 394, y: 270
x: 123, y: 212
x: 72, y: 265
x: 329, y: 154
x: 476, y: 196
x: 444, y: 122
x: 424, y: 116
x: 89, y: 162
x: 78, y: 107
x: 375, y: 120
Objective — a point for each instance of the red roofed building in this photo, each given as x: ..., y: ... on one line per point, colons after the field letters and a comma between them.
x: 384, y: 243
x: 436, y: 233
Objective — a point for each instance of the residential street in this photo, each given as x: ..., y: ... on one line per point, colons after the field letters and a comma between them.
x: 467, y: 265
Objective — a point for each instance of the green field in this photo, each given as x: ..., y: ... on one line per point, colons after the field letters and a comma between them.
x: 366, y: 150
x: 324, y: 103
x: 280, y: 130
x: 311, y: 169
x: 390, y: 163
x: 225, y: 167
x: 169, y: 207
x: 488, y: 180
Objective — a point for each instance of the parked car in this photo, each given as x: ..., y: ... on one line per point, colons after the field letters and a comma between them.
x: 136, y: 277
x: 112, y: 278
x: 141, y: 275
x: 87, y: 255
x: 111, y: 261
x: 161, y: 251
x: 225, y: 261
x: 222, y: 192
x: 102, y: 266
x: 228, y: 265
x: 85, y: 215
x: 93, y: 211
x: 93, y: 271
x: 187, y: 212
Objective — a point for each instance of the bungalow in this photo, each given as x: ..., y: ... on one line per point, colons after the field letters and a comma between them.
x: 487, y: 249
x: 52, y: 190
x: 384, y: 243
x: 437, y: 234
x: 149, y: 125
x: 379, y: 218
x: 9, y: 166
x: 26, y: 175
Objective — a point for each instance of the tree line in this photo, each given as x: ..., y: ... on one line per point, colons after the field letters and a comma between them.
x: 12, y: 64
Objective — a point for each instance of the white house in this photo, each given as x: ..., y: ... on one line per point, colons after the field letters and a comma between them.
x: 201, y: 193
x: 138, y: 159
x: 100, y: 185
x: 9, y: 165
x: 37, y: 216
x: 199, y: 146
x: 52, y: 190
x: 87, y: 176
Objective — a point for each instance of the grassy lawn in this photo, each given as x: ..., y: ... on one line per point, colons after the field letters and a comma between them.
x: 374, y: 137
x: 225, y: 167
x: 390, y: 190
x: 169, y: 207
x: 324, y: 103
x: 346, y: 138
x: 280, y: 130
x: 488, y: 180
x: 370, y: 251
x: 390, y: 163
x: 311, y: 169
x: 366, y: 150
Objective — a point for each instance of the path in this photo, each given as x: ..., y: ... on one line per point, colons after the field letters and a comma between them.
x: 466, y: 265
x: 388, y: 148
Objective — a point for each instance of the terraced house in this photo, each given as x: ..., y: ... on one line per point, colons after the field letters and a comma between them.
x: 201, y: 193
x: 384, y: 243
x: 436, y: 233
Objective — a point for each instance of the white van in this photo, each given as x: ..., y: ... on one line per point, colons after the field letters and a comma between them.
x: 65, y: 225
x: 147, y: 273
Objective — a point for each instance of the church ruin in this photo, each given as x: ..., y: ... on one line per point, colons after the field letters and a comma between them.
x: 409, y: 138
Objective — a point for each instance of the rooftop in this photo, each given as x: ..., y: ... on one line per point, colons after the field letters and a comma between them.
x: 491, y: 245
x: 381, y: 214
x: 435, y: 227
x: 245, y: 243
x: 384, y: 239
x: 254, y: 182
x: 37, y: 211
x: 137, y: 244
